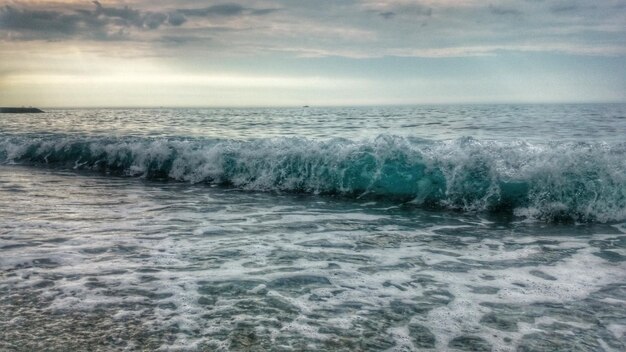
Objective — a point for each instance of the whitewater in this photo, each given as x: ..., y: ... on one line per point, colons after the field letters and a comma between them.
x: 460, y: 227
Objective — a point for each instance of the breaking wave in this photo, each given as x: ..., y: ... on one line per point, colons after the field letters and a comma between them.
x: 554, y: 182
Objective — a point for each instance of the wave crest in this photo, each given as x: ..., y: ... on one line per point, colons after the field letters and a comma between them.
x: 557, y: 181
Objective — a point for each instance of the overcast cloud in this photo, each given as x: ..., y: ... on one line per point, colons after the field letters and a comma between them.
x: 342, y: 28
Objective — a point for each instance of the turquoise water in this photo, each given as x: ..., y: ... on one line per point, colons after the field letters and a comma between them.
x: 393, y: 228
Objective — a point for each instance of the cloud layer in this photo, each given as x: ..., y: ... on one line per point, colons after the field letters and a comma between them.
x: 348, y: 28
x: 103, y: 22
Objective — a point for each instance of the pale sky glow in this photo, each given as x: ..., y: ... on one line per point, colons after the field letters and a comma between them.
x: 278, y: 52
x: 200, y: 80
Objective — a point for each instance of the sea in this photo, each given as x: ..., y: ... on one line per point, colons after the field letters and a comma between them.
x: 402, y: 228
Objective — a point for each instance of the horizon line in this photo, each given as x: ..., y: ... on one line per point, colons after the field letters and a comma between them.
x: 309, y: 105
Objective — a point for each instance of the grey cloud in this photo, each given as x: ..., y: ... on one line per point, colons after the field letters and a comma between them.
x: 411, y: 10
x: 261, y: 12
x: 181, y: 40
x: 345, y: 28
x: 560, y: 8
x: 103, y: 23
x: 416, y: 9
x: 176, y: 19
x: 49, y: 24
x: 225, y: 10
x: 215, y: 10
x: 153, y: 20
x: 125, y: 13
x: 11, y: 18
x: 128, y: 17
x: 503, y: 11
x: 387, y: 15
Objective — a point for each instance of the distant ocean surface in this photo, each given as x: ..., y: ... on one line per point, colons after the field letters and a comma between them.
x: 460, y: 227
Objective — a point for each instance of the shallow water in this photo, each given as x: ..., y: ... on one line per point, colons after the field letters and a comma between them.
x: 94, y: 262
x: 97, y: 260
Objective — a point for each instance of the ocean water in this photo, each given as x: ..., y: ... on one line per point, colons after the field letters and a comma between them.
x: 470, y: 228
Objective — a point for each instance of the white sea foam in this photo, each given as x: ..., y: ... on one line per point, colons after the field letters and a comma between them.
x: 557, y: 181
x: 283, y: 270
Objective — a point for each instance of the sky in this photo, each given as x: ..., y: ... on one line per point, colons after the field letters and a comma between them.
x: 71, y: 53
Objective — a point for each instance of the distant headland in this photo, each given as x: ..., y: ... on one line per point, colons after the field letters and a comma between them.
x: 19, y: 110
